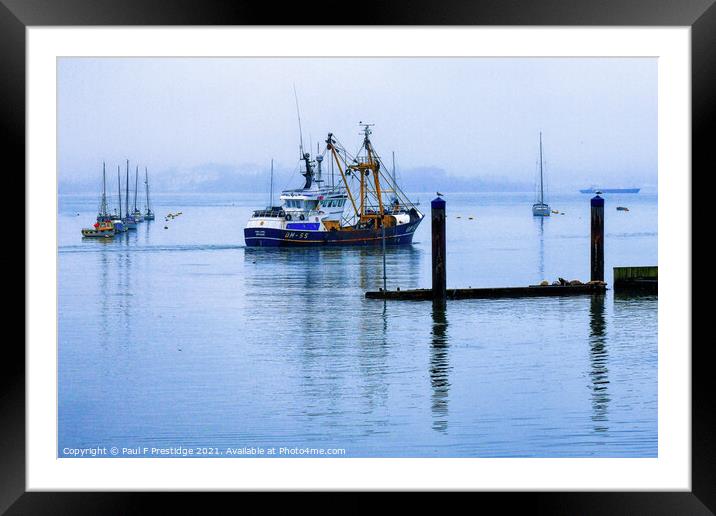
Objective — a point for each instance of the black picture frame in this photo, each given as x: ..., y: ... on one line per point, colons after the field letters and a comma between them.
x: 16, y: 15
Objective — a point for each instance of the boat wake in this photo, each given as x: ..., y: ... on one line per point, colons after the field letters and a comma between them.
x: 145, y: 249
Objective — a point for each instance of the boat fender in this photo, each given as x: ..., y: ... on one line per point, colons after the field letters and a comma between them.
x: 301, y: 217
x: 288, y: 216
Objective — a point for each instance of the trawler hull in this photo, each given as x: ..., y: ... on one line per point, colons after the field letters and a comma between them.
x: 273, y: 237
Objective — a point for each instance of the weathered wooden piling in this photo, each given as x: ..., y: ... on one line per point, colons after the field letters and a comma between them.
x: 437, y: 208
x: 644, y: 279
x: 597, y: 247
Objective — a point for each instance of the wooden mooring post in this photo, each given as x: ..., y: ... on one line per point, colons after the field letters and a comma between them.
x: 597, y: 240
x: 643, y: 279
x: 437, y: 209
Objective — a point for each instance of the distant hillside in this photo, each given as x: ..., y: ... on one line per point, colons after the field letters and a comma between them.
x: 215, y: 177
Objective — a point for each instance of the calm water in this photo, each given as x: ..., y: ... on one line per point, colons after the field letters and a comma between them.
x: 183, y: 337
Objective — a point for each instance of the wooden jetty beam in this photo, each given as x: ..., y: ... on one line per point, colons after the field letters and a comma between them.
x: 426, y: 294
x: 644, y: 279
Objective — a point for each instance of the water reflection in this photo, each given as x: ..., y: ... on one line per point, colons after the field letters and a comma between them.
x: 124, y: 286
x: 540, y: 260
x: 105, y: 272
x: 338, y: 266
x: 598, y: 357
x: 439, y: 367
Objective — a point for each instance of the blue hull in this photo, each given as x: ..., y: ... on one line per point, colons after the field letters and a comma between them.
x: 271, y: 237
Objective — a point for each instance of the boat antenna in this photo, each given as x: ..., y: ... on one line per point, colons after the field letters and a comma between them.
x: 271, y: 187
x: 298, y: 114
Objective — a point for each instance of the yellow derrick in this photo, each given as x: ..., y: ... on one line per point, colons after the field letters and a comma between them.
x: 367, y: 190
x: 343, y: 176
x: 377, y: 180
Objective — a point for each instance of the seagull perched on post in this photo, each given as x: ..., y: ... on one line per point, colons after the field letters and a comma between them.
x: 439, y: 194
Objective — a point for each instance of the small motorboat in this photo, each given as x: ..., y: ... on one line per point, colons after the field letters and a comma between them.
x: 101, y: 229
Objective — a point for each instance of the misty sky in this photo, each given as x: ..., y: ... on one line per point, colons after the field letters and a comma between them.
x: 468, y: 116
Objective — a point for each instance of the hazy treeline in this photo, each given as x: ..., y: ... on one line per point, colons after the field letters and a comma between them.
x: 212, y: 178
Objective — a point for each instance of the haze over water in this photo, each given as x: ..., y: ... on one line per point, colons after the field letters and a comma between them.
x: 182, y: 336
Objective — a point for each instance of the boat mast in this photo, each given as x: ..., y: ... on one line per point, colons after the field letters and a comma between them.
x: 331, y: 145
x: 103, y: 207
x: 119, y: 190
x: 300, y: 131
x: 374, y: 166
x: 395, y: 183
x: 136, y: 182
x: 541, y: 181
x: 126, y: 197
x: 146, y: 183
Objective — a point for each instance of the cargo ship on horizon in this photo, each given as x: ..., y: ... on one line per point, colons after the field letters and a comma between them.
x: 593, y: 189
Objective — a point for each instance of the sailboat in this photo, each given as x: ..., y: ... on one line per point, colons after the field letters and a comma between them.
x: 117, y: 217
x: 368, y: 208
x: 541, y: 208
x: 137, y: 214
x: 149, y: 215
x: 104, y: 227
x: 128, y: 220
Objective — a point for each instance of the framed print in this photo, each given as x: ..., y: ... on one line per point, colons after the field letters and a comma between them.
x: 271, y: 252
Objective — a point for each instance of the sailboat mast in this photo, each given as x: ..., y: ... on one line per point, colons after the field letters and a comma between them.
x: 146, y: 184
x: 119, y: 190
x: 136, y: 182
x: 104, y: 191
x: 541, y: 180
x: 126, y: 197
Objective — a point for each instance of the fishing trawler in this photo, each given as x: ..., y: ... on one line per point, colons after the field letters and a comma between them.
x: 104, y: 227
x: 541, y: 208
x: 364, y: 207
